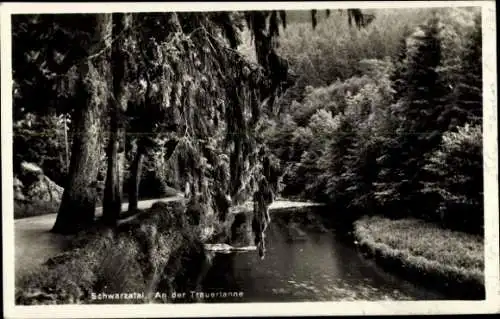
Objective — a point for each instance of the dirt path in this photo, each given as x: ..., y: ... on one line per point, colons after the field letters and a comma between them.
x: 34, y: 243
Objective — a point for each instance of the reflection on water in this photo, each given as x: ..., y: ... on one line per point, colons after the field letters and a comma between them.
x: 304, y: 262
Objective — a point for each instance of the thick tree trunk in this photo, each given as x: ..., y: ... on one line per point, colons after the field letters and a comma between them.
x: 77, y: 207
x: 78, y: 202
x: 114, y: 178
x: 113, y: 192
x: 135, y: 177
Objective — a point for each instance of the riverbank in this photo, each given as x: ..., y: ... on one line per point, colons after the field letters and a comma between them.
x: 104, y: 261
x: 425, y: 253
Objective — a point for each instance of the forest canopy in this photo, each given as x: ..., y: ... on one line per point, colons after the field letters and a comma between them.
x: 157, y: 84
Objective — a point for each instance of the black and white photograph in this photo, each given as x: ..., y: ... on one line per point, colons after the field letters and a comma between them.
x: 249, y: 158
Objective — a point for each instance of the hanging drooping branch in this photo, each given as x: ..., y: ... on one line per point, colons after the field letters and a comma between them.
x: 274, y: 29
x: 355, y: 16
x: 212, y: 102
x: 313, y: 19
x: 148, y: 115
x: 283, y: 17
x: 275, y: 69
x: 230, y: 28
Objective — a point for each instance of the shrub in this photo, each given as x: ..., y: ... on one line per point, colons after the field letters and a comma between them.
x: 40, y: 140
x: 456, y: 179
x: 23, y: 209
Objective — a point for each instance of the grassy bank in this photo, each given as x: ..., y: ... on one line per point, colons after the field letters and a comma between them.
x: 132, y: 258
x: 425, y: 253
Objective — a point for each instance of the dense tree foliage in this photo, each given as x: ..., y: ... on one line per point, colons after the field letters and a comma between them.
x: 160, y: 86
x: 454, y: 169
x: 417, y: 113
x: 391, y: 130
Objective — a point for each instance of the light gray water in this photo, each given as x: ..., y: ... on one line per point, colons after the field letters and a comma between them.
x: 304, y: 262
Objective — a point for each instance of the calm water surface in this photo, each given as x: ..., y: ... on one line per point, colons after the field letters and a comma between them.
x: 305, y: 262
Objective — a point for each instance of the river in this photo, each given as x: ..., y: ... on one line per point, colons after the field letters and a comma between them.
x: 304, y: 261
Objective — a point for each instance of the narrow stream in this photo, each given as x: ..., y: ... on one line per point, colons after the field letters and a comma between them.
x: 304, y: 262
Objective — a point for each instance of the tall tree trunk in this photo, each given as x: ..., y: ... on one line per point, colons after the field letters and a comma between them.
x: 135, y: 176
x: 114, y: 177
x: 77, y: 207
x: 113, y: 193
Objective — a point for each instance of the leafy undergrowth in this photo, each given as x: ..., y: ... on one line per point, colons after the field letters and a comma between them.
x: 34, y: 208
x: 449, y: 260
x: 129, y: 259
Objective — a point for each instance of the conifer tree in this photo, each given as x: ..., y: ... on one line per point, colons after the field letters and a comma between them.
x: 398, y: 76
x: 417, y: 111
x: 468, y: 93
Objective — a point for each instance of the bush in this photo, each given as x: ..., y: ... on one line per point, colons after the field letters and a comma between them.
x: 40, y: 140
x: 23, y: 209
x: 456, y: 179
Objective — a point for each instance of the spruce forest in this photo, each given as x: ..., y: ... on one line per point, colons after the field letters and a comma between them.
x: 376, y: 115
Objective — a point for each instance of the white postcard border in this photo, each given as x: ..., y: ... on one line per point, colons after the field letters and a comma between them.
x: 492, y: 269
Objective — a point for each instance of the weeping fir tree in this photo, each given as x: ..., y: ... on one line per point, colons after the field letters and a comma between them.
x: 219, y: 155
x: 212, y: 124
x: 200, y: 41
